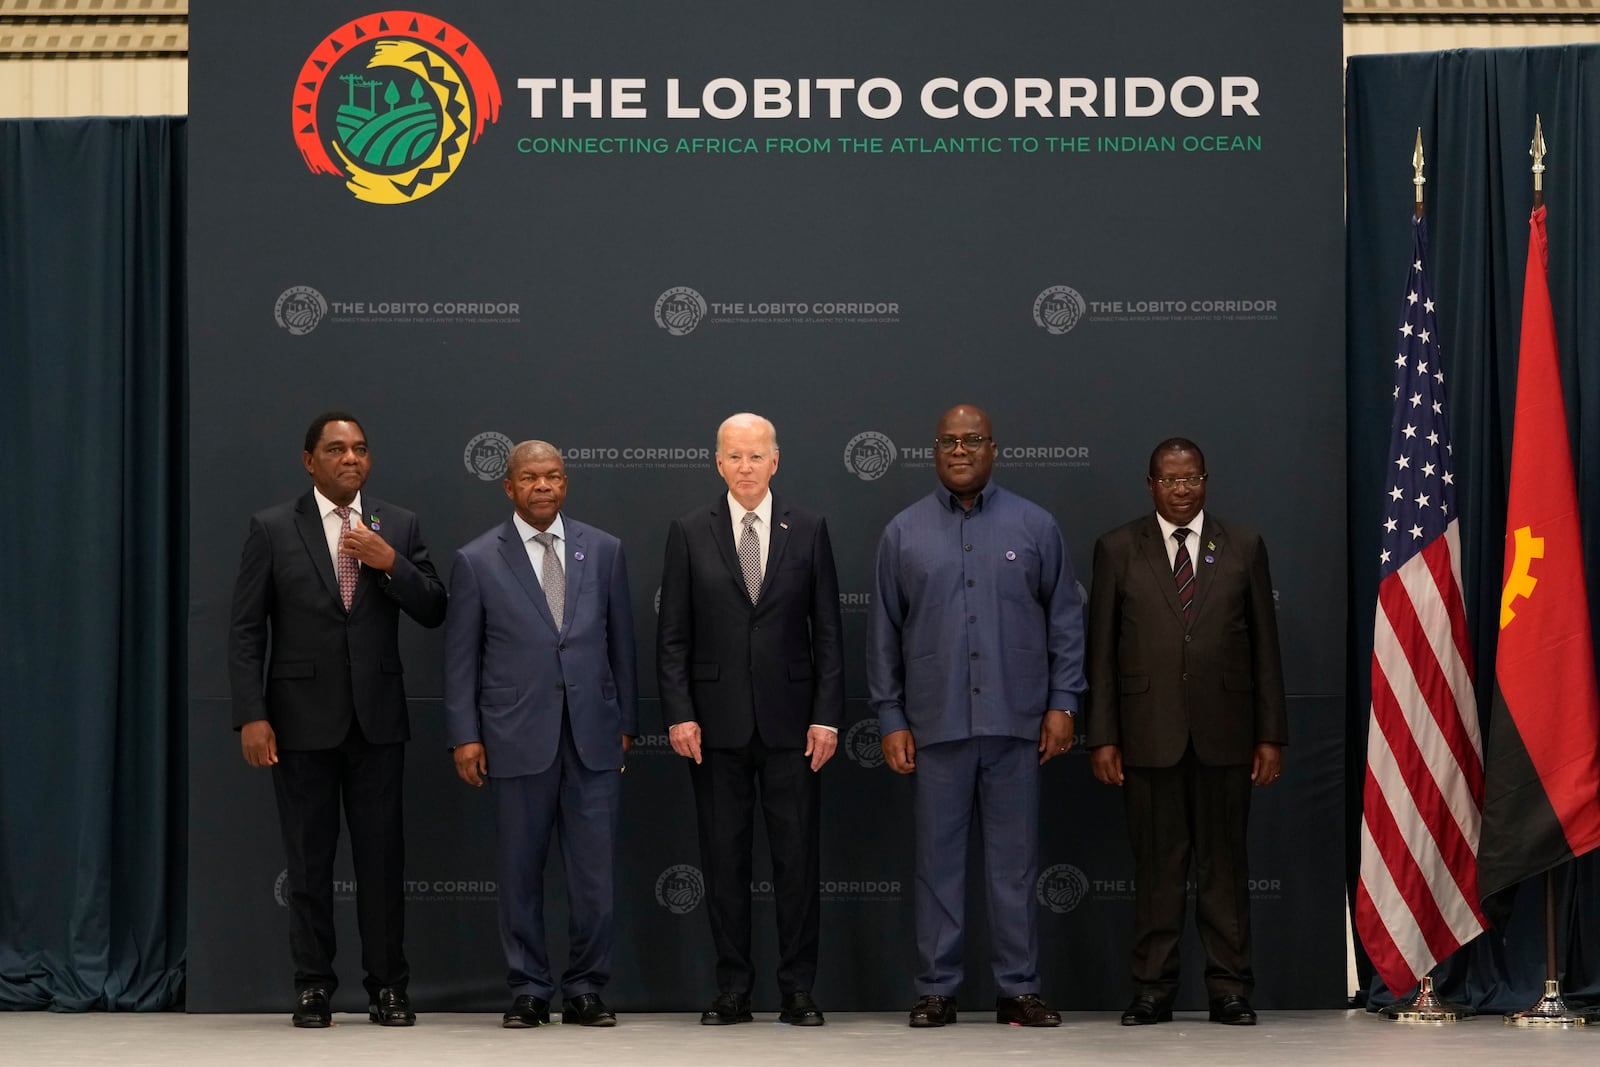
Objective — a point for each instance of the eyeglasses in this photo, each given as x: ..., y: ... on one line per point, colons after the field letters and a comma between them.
x: 971, y: 442
x: 1194, y: 481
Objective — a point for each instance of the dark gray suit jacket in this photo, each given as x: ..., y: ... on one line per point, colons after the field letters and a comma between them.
x: 1155, y: 684
x: 326, y: 665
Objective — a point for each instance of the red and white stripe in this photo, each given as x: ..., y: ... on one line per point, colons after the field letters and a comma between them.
x: 1417, y: 901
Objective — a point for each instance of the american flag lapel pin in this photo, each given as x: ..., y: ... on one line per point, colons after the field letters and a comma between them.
x: 783, y: 526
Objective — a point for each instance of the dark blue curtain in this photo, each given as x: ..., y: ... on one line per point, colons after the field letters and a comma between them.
x: 1476, y: 110
x: 93, y: 446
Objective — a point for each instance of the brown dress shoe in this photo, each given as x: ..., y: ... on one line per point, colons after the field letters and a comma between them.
x: 933, y: 1010
x: 1025, y: 1009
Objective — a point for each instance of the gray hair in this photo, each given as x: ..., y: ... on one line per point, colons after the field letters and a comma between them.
x: 747, y: 418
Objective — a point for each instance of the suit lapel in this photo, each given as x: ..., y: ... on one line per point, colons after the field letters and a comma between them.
x: 515, y: 553
x: 577, y: 569
x: 316, y: 542
x: 367, y: 578
x: 1154, y: 549
x: 778, y: 540
x: 720, y: 523
x: 1212, y: 542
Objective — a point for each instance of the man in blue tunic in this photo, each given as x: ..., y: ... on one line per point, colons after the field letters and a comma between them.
x: 975, y: 670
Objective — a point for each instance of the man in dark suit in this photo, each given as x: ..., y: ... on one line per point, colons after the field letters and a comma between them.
x: 975, y: 668
x: 1186, y: 712
x: 541, y: 698
x: 750, y: 658
x: 322, y: 582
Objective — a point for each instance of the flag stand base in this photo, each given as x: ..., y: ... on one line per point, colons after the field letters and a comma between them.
x: 1426, y: 1007
x: 1550, y: 1011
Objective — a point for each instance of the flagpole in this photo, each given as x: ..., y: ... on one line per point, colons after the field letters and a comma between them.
x: 1425, y: 1005
x: 1551, y: 1009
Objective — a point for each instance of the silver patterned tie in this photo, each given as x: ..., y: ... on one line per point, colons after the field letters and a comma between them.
x: 555, y: 579
x: 750, y: 556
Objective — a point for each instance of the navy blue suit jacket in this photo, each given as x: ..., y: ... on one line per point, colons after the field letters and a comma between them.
x: 509, y: 669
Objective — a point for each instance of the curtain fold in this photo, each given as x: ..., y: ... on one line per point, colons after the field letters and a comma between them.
x: 1476, y: 110
x: 93, y: 466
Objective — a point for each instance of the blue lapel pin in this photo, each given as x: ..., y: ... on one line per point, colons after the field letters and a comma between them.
x: 577, y: 555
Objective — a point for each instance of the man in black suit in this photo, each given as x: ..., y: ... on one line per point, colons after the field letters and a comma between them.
x: 1186, y: 712
x: 322, y: 581
x: 750, y: 658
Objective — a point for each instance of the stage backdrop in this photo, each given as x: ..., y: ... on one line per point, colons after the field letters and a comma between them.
x: 611, y: 225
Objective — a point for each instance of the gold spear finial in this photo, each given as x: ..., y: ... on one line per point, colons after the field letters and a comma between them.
x: 1536, y: 150
x: 1416, y: 166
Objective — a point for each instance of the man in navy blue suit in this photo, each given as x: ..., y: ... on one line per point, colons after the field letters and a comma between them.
x: 975, y: 670
x: 541, y: 701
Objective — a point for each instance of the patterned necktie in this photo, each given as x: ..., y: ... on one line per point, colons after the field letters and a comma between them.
x: 1183, y: 573
x: 555, y: 579
x: 750, y: 556
x: 349, y: 567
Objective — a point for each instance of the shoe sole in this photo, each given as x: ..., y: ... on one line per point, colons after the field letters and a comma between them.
x: 390, y: 1022
x: 804, y: 1020
x: 1017, y: 1022
x: 1164, y: 1017
x: 1233, y: 1022
x: 513, y: 1023
x: 723, y: 1020
x: 313, y: 1024
x: 571, y: 1019
x: 924, y: 1024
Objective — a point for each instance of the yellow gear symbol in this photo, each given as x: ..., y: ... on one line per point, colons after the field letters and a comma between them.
x: 1520, y: 583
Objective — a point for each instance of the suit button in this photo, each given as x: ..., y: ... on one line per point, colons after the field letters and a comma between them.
x: 1186, y: 676
x: 972, y: 618
x: 1188, y: 637
x: 974, y: 655
x: 967, y: 547
x: 971, y: 583
x: 976, y: 690
x: 561, y: 648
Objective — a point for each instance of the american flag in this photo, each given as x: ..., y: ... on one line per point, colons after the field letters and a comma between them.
x: 1422, y: 800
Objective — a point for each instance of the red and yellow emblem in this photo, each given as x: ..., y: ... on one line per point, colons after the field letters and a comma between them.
x: 396, y: 97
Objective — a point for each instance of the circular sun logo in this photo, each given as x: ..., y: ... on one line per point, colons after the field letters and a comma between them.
x: 390, y: 102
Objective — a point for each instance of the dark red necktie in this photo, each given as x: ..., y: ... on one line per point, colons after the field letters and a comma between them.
x: 1183, y: 573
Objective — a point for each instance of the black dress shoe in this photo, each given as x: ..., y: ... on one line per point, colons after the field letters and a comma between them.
x: 1233, y: 1010
x: 800, y: 1010
x: 1025, y: 1009
x: 391, y: 1008
x: 312, y: 1007
x: 727, y: 1009
x: 526, y: 1012
x: 933, y: 1010
x: 587, y: 1009
x: 1147, y: 1008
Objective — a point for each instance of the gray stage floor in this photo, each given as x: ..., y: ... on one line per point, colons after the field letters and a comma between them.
x: 29, y: 1039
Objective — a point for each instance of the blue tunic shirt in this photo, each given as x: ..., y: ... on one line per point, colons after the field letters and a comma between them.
x: 977, y: 623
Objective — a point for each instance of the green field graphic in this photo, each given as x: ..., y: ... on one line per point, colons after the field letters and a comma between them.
x: 397, y: 136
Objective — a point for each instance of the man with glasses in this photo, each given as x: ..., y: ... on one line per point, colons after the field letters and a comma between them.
x: 1186, y: 713
x: 975, y: 670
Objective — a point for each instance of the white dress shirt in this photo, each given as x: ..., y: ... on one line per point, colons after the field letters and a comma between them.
x: 331, y: 526
x: 1192, y: 542
x: 536, y: 550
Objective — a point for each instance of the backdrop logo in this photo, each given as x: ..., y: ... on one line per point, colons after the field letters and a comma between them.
x: 299, y: 309
x: 487, y: 455
x: 396, y: 96
x: 869, y: 455
x: 1062, y: 887
x: 279, y: 886
x: 863, y: 743
x: 679, y: 310
x: 680, y: 888
x: 1059, y: 308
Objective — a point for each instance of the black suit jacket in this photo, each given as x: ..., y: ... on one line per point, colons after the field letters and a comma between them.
x: 776, y: 666
x: 325, y: 665
x: 1156, y: 684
